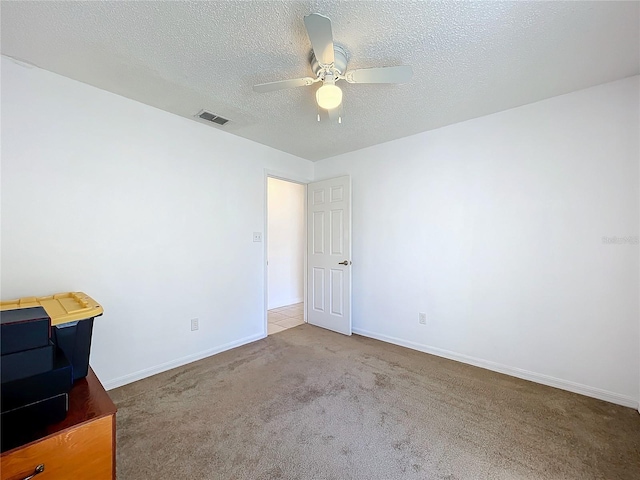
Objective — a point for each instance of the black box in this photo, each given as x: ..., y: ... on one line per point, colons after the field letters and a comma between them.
x: 24, y: 329
x: 26, y: 363
x: 24, y: 424
x: 74, y: 338
x: 19, y: 393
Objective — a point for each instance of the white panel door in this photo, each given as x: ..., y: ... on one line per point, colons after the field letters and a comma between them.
x: 329, y: 254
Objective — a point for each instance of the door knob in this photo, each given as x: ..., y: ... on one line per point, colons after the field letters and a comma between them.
x: 346, y: 262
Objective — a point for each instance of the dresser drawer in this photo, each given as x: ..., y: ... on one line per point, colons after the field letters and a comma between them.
x: 83, y: 452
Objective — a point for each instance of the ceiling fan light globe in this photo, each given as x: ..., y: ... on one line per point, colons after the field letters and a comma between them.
x: 329, y: 96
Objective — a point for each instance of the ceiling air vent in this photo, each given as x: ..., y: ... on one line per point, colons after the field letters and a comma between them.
x: 212, y: 117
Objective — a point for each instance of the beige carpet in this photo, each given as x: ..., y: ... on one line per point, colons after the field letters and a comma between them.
x: 310, y: 404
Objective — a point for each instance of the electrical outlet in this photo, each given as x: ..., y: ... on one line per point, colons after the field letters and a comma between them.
x: 422, y: 318
x: 194, y: 324
x: 257, y: 236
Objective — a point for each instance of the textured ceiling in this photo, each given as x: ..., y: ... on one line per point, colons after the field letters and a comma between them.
x: 469, y: 59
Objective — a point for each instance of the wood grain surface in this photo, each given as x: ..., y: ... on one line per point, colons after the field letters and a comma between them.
x: 81, y: 446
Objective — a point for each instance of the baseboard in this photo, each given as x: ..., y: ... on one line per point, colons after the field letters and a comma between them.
x: 163, y: 367
x: 286, y: 303
x: 513, y: 371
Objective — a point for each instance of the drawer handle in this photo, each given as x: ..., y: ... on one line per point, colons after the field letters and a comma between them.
x: 39, y: 469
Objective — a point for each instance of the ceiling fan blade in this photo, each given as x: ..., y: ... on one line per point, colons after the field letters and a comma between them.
x: 319, y: 31
x: 400, y: 74
x: 282, y: 84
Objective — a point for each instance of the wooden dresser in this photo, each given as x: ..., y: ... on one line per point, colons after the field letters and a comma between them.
x: 83, y: 446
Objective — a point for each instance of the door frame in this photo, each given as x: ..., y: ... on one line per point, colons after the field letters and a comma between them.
x: 265, y: 256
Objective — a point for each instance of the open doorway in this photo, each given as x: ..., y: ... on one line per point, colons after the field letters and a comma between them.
x: 286, y: 244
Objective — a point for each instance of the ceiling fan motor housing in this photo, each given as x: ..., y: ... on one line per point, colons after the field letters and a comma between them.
x: 339, y: 63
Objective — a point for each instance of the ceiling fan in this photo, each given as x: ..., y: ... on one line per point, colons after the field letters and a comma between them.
x: 329, y: 64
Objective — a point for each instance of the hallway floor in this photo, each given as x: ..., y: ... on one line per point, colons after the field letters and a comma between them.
x: 285, y: 317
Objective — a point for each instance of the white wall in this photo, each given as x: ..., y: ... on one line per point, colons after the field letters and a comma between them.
x: 494, y: 228
x: 286, y: 242
x: 150, y: 213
